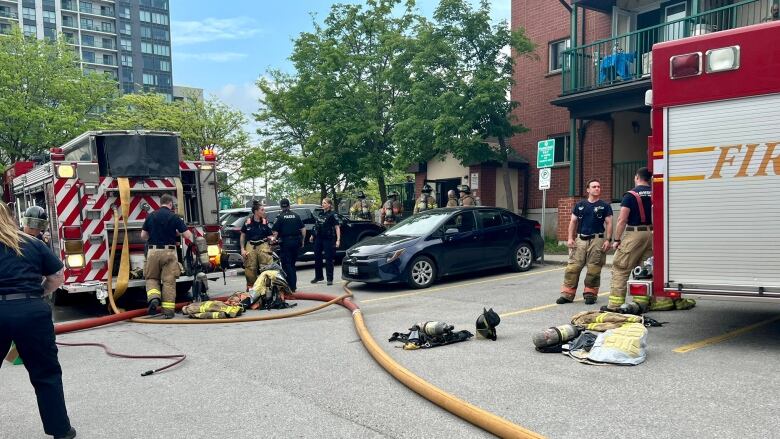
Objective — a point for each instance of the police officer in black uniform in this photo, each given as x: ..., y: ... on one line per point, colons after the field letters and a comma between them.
x: 326, y: 238
x: 28, y: 271
x: 289, y: 229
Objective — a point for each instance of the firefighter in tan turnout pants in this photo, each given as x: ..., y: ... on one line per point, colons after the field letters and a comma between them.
x: 162, y: 229
x: 633, y: 242
x: 592, y: 220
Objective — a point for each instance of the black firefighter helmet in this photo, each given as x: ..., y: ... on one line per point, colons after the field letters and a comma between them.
x: 427, y: 189
x: 35, y: 217
x: 487, y: 322
x: 361, y: 195
x: 464, y: 188
x: 393, y: 194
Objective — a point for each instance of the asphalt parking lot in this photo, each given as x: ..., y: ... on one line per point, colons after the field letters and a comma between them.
x: 710, y: 372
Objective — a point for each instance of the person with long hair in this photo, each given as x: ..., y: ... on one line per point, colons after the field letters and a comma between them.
x: 28, y: 272
x: 326, y: 238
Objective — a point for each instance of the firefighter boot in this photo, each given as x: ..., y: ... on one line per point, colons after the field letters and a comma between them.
x: 154, y: 306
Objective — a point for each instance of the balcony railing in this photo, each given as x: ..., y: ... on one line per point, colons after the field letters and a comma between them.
x: 9, y: 14
x: 623, y: 177
x: 627, y: 57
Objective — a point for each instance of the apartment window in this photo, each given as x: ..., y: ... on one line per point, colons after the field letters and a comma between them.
x: 5, y: 28
x: 164, y: 80
x: 126, y: 44
x: 159, y: 19
x: 161, y: 34
x: 107, y: 27
x: 85, y: 7
x: 127, y: 60
x: 108, y: 43
x: 28, y: 13
x: 87, y: 40
x: 150, y: 79
x: 556, y: 54
x: 146, y: 47
x: 127, y: 75
x: 30, y: 30
x: 87, y: 23
x: 146, y: 32
x: 89, y: 70
x: 146, y: 16
x: 69, y: 37
x: 49, y: 17
x: 107, y: 11
x: 165, y: 66
x: 561, y: 149
x: 128, y: 87
x: 126, y: 29
x: 124, y: 13
x: 161, y: 49
x: 108, y: 60
x: 68, y: 5
x: 88, y: 56
x: 50, y: 33
x: 160, y: 4
x: 49, y: 3
x: 68, y: 21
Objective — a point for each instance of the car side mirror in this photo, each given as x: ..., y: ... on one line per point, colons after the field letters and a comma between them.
x: 451, y: 231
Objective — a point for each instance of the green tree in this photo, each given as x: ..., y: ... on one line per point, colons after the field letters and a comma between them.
x: 45, y: 98
x: 200, y: 123
x: 459, y: 102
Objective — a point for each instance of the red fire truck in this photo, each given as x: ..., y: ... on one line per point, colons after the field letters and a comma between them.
x: 715, y: 158
x: 80, y: 189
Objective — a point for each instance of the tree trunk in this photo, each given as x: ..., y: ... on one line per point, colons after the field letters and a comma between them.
x: 380, y: 181
x: 323, y: 191
x: 510, y: 202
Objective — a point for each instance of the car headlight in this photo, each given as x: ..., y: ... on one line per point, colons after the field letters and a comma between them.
x: 392, y: 256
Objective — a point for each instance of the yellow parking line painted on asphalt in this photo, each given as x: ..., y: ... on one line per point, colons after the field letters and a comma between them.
x: 446, y: 287
x: 541, y: 307
x: 724, y: 337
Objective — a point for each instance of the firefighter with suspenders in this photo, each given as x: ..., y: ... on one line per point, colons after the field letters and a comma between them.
x: 161, y: 229
x: 426, y: 201
x: 391, y: 210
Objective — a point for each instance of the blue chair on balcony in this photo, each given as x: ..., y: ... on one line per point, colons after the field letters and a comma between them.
x: 616, y: 66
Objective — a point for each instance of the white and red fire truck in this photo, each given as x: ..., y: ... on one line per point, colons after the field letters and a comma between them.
x: 715, y: 154
x: 79, y: 189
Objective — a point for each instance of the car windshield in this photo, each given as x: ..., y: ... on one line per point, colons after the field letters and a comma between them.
x: 230, y: 218
x: 418, y: 225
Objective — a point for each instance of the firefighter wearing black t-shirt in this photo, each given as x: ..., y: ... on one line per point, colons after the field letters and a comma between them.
x: 290, y: 231
x: 591, y: 219
x: 254, y: 246
x: 326, y: 238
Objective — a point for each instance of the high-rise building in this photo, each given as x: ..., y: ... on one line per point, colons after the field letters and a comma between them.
x: 127, y: 39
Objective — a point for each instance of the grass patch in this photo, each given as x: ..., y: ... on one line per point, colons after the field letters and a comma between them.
x: 551, y: 247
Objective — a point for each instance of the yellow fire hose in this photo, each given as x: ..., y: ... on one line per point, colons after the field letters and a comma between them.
x: 481, y: 418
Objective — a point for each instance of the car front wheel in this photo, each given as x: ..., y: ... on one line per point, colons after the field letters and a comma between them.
x: 523, y: 257
x: 421, y: 272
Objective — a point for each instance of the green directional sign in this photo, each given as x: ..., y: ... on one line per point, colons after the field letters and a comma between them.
x: 224, y: 203
x: 545, y: 156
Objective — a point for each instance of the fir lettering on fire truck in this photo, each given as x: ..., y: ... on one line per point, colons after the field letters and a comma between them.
x: 729, y: 153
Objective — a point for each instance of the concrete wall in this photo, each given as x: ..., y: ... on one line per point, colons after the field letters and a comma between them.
x: 450, y: 167
x: 501, y: 193
x: 550, y: 219
x: 629, y: 145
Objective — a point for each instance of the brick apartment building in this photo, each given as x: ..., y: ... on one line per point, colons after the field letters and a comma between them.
x: 588, y: 92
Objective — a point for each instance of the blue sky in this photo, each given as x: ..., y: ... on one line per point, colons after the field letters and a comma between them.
x: 223, y: 46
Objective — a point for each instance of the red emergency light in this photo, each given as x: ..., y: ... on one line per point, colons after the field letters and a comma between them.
x: 209, y: 155
x: 683, y: 66
x: 71, y: 232
x: 639, y: 289
x: 57, y: 154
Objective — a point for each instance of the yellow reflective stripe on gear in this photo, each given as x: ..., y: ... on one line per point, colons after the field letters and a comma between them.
x: 617, y: 299
x: 215, y: 315
x: 169, y: 305
x: 153, y: 292
x: 600, y: 318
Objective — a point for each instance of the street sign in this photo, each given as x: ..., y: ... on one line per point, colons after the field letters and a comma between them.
x: 224, y: 203
x: 544, y: 178
x: 545, y: 156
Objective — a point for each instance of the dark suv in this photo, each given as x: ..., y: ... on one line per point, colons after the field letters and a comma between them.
x: 352, y: 231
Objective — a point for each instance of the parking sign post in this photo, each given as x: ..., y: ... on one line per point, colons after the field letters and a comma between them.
x: 545, y: 157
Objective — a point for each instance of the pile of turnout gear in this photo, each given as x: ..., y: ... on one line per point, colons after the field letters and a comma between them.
x: 601, y: 337
x: 267, y: 293
x: 432, y: 334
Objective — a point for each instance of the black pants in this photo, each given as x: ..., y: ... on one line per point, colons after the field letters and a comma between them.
x: 288, y: 253
x: 28, y: 323
x: 328, y: 245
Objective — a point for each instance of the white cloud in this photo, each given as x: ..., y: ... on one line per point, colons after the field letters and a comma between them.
x: 213, y: 29
x: 210, y: 56
x: 244, y: 97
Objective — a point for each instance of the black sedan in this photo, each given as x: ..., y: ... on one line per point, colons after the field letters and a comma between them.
x: 442, y: 242
x: 351, y: 231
